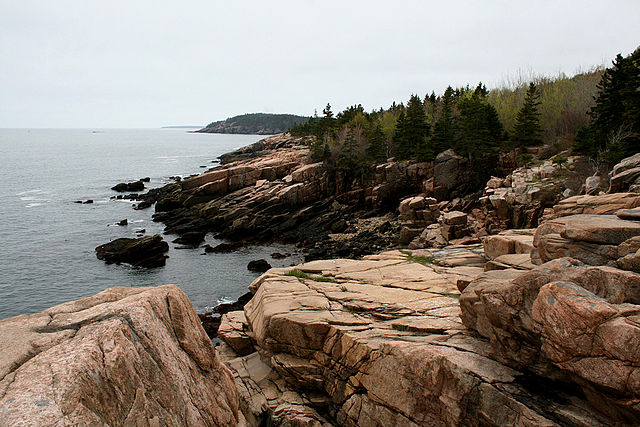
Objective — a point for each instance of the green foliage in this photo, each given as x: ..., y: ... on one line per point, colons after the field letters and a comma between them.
x: 527, y: 130
x: 302, y: 275
x: 479, y: 128
x: 564, y: 102
x: 614, y: 131
x: 420, y: 259
x: 559, y: 160
x: 445, y: 127
x: 525, y: 160
x: 412, y: 131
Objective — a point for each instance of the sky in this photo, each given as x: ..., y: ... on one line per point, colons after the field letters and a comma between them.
x: 152, y: 63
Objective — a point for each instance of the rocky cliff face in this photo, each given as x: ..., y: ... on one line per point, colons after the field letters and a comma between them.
x: 515, y: 331
x: 270, y: 191
x: 126, y: 356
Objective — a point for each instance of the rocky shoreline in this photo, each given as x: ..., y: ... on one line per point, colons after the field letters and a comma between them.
x: 515, y: 305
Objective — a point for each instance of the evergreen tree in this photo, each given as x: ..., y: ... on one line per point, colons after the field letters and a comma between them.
x: 444, y: 129
x: 527, y: 130
x: 328, y: 114
x: 615, y: 117
x: 377, y: 148
x: 479, y: 128
x: 399, y: 135
x: 413, y: 139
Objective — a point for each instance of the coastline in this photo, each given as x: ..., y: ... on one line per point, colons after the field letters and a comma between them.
x: 466, y: 318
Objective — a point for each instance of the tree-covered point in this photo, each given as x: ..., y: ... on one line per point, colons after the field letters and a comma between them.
x: 255, y: 123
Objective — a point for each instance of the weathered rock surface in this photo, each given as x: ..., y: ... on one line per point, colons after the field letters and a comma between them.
x: 147, y: 251
x: 380, y: 342
x: 508, y: 242
x: 270, y: 191
x: 593, y: 239
x: 521, y: 198
x: 566, y: 321
x: 625, y: 176
x: 603, y: 204
x: 126, y: 356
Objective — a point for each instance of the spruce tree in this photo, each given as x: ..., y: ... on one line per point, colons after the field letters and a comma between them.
x: 615, y: 117
x: 413, y: 140
x: 444, y: 129
x: 479, y: 128
x: 527, y: 130
x: 377, y: 148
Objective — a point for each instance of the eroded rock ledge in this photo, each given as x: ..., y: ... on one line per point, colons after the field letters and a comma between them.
x: 126, y: 356
x: 380, y: 341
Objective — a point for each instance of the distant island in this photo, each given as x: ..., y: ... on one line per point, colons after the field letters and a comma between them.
x: 255, y: 123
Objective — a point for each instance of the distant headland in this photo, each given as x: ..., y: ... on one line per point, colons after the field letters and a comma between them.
x: 255, y: 123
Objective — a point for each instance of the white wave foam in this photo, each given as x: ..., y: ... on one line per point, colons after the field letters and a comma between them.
x: 33, y: 205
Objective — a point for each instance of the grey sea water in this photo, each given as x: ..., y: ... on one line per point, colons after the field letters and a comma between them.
x: 47, y: 241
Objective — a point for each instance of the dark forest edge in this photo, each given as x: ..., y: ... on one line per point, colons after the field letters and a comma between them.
x: 596, y: 113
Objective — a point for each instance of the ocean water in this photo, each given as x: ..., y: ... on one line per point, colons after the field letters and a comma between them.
x: 47, y: 248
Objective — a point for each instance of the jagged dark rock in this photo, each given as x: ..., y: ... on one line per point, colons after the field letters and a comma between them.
x: 147, y: 251
x: 258, y: 265
x: 128, y: 186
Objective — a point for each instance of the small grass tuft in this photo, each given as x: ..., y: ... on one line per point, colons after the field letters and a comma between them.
x: 302, y: 275
x: 398, y: 327
x: 420, y: 259
x: 344, y: 289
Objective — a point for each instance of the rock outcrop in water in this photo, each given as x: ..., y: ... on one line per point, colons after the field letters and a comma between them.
x: 146, y: 251
x: 126, y: 356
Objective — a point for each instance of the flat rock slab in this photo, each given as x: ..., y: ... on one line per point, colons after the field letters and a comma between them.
x: 381, y: 339
x: 126, y: 356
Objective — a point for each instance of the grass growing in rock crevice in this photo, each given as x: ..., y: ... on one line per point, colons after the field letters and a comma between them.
x: 302, y: 275
x: 420, y: 259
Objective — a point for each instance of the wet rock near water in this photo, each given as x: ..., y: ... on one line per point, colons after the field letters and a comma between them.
x: 147, y: 251
x: 129, y: 186
x: 191, y: 238
x: 211, y: 319
x: 258, y: 266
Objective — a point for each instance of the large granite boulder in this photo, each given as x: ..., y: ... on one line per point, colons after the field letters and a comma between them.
x: 603, y: 204
x: 559, y: 321
x: 625, y: 176
x: 146, y: 251
x: 508, y: 242
x: 126, y: 356
x: 593, y: 239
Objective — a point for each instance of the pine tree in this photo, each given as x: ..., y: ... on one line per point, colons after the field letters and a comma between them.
x: 479, y: 128
x: 444, y: 129
x: 527, y: 130
x: 413, y: 140
x: 377, y: 148
x: 615, y: 117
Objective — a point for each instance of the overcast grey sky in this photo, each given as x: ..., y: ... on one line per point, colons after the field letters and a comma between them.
x: 149, y: 63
